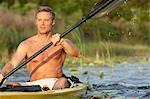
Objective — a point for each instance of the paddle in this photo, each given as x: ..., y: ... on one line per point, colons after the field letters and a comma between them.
x: 101, y: 7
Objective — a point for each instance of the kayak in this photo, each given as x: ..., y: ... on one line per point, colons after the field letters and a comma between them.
x: 77, y: 92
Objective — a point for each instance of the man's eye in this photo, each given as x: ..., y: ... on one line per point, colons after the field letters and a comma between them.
x: 39, y: 19
x: 46, y: 19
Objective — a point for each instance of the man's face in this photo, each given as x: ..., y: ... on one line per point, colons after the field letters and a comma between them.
x: 44, y: 22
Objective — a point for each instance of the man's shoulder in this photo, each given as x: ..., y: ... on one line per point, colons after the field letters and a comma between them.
x: 29, y: 40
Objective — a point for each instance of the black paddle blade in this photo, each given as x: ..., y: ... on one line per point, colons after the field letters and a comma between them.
x: 112, y: 4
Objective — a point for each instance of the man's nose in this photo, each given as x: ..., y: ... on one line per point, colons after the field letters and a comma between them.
x: 43, y: 22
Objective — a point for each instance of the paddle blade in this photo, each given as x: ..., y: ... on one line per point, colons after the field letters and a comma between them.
x: 109, y: 7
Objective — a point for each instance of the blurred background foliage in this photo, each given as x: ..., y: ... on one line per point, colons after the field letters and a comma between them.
x: 122, y: 30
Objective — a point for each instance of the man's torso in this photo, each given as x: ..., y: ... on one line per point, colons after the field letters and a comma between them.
x: 46, y: 65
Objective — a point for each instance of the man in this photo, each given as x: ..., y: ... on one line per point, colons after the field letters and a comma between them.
x: 46, y: 69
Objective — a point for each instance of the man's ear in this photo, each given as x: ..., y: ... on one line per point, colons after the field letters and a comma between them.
x: 53, y: 22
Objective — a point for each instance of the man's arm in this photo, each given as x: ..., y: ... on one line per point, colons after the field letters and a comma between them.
x: 70, y: 48
x: 67, y: 45
x: 16, y: 59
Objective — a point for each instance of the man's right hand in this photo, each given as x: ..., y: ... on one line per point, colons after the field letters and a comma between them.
x: 55, y: 38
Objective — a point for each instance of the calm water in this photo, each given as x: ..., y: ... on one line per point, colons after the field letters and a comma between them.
x: 123, y: 81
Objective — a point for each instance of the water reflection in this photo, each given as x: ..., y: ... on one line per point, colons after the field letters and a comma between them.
x: 124, y: 81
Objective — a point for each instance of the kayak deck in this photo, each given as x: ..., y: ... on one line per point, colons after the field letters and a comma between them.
x: 68, y: 93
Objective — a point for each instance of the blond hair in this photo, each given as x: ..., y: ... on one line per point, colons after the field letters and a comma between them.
x: 46, y: 9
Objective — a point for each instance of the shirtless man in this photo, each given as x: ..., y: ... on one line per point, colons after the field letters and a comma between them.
x: 46, y: 69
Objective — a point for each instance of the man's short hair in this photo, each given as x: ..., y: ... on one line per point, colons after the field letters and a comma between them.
x: 46, y: 9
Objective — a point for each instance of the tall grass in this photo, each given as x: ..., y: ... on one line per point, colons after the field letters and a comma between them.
x: 108, y: 54
x: 78, y: 38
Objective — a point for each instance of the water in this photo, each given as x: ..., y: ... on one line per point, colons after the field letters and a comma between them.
x: 123, y: 81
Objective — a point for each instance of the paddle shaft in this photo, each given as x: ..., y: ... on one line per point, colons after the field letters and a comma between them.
x: 88, y: 16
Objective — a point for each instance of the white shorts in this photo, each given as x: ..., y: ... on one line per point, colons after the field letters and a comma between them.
x: 48, y: 82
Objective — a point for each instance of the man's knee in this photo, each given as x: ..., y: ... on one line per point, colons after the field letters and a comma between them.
x: 61, y: 83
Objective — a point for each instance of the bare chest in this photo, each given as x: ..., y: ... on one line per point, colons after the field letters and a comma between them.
x: 51, y: 52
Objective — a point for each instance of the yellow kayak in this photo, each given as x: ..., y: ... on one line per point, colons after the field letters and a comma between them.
x: 76, y: 92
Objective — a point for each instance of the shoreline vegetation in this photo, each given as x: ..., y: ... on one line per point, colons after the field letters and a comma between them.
x: 97, y: 55
x: 110, y: 54
x: 121, y: 36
